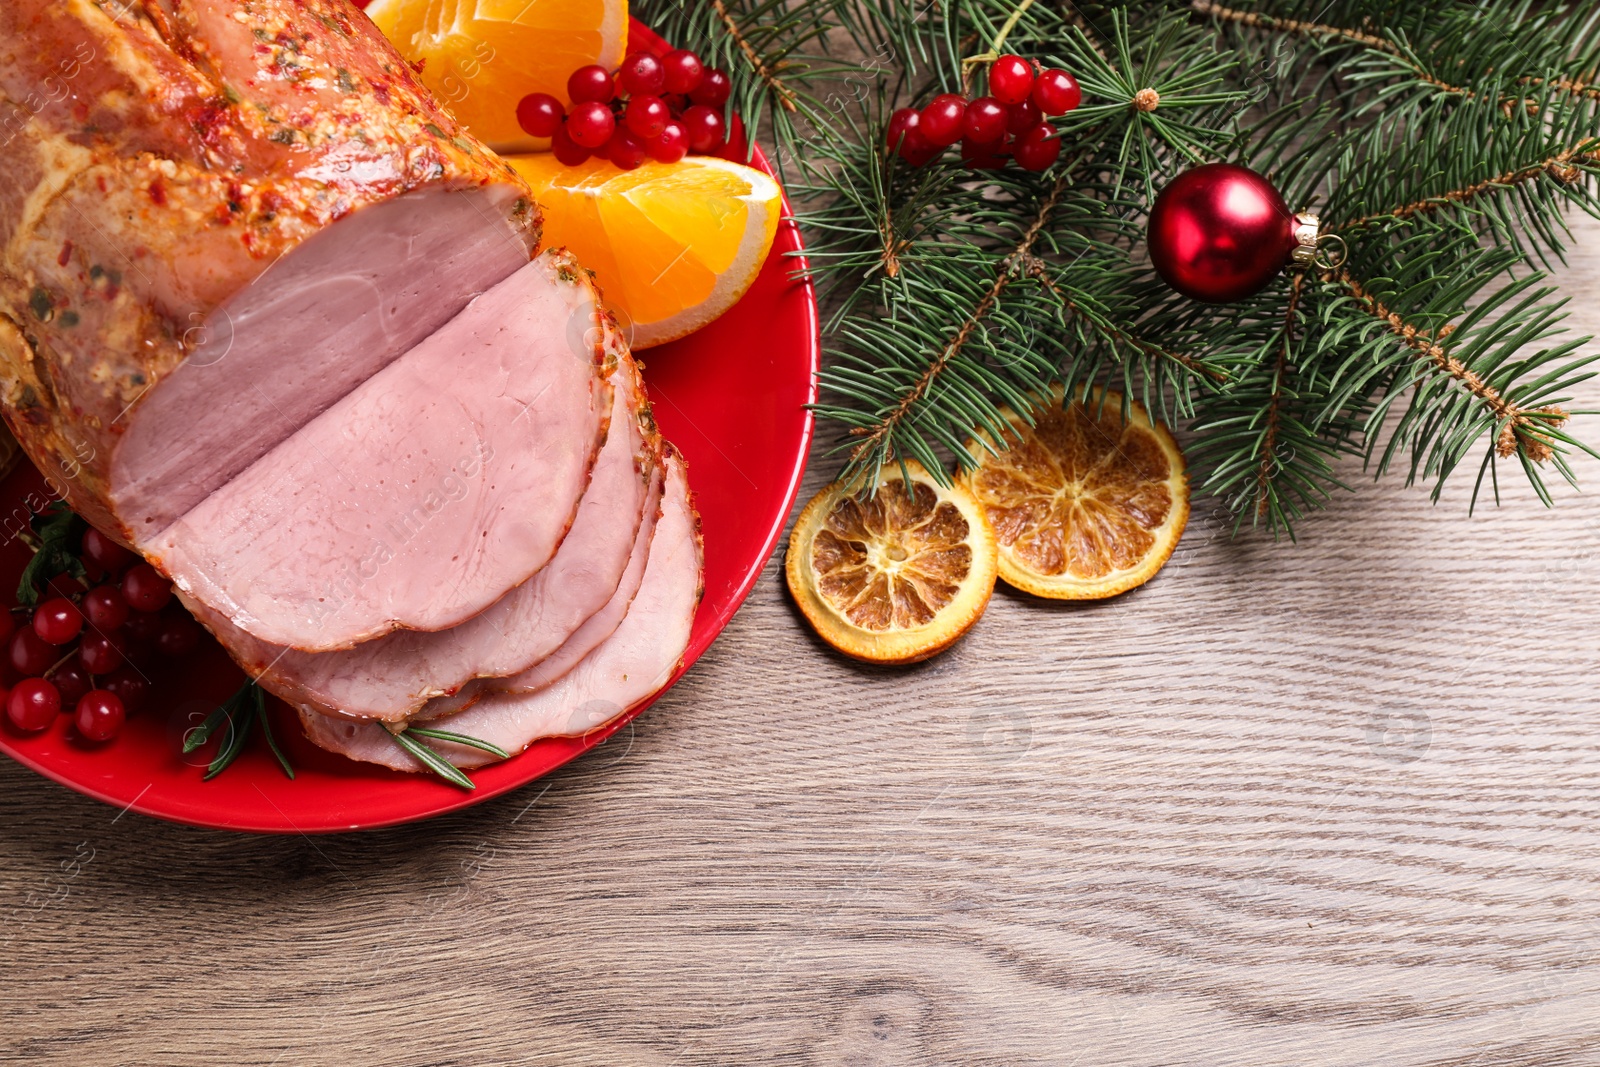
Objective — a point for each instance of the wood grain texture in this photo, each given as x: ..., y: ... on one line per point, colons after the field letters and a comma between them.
x: 1315, y: 805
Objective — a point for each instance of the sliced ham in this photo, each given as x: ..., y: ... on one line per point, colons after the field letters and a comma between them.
x: 418, y: 500
x: 394, y: 676
x: 627, y: 668
x: 584, y: 640
x: 177, y: 180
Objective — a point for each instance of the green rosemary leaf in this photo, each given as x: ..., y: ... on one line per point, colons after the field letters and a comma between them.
x: 433, y: 761
x: 223, y: 712
x: 233, y: 741
x: 266, y: 731
x: 57, y: 533
x: 460, y: 739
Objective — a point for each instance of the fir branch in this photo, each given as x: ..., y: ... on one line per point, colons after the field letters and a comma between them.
x: 1564, y: 166
x: 1257, y: 19
x: 876, y: 436
x: 1274, y: 414
x: 1526, y: 429
x: 785, y: 95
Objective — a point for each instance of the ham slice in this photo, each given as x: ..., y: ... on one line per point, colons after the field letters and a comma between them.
x: 418, y: 500
x: 394, y: 676
x: 626, y: 669
x: 175, y: 179
x: 584, y: 640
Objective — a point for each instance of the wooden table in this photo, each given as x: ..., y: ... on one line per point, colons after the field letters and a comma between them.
x: 1334, y: 803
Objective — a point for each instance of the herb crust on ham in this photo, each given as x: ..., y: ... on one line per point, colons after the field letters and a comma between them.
x: 157, y: 158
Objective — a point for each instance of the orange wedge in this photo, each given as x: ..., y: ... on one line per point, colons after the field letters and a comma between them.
x: 893, y: 576
x: 480, y: 57
x: 1085, y: 504
x: 672, y: 245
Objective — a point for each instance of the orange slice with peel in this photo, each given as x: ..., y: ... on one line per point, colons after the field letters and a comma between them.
x: 896, y: 575
x: 481, y: 57
x: 1084, y: 503
x: 672, y: 245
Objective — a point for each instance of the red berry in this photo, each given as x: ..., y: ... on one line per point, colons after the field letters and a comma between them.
x: 567, y: 152
x: 8, y: 625
x: 129, y: 685
x: 1010, y: 79
x: 705, y: 127
x: 985, y: 121
x: 641, y: 72
x: 590, y: 125
x: 941, y: 120
x: 713, y: 90
x: 646, y: 115
x: 1056, y: 92
x: 683, y: 71
x: 591, y: 84
x: 105, y: 607
x: 72, y: 681
x: 672, y: 144
x: 1020, y: 118
x: 144, y: 589
x: 106, y: 553
x: 142, y: 626
x: 100, y: 653
x: 33, y: 704
x: 900, y: 123
x: 100, y: 715
x: 30, y: 656
x: 625, y: 149
x: 914, y: 148
x: 179, y: 634
x: 1038, y: 148
x: 57, y: 621
x: 540, y: 114
x: 982, y: 156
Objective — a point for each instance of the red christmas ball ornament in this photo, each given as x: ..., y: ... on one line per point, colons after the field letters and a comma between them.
x: 1220, y: 232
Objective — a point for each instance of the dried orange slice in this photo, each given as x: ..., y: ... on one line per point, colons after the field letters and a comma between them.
x: 893, y: 576
x: 1085, y: 505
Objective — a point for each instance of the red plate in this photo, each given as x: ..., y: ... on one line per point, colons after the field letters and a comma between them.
x: 732, y: 397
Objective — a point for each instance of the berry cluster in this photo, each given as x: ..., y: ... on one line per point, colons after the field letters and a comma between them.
x: 1009, y: 122
x: 78, y: 650
x: 664, y: 107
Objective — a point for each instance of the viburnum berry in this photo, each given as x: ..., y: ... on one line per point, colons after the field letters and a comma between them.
x: 982, y: 155
x: 1056, y: 92
x: 1020, y: 118
x: 984, y: 121
x: 641, y: 72
x: 57, y: 621
x: 713, y: 90
x: 646, y: 115
x: 1038, y: 148
x: 1010, y: 79
x: 106, y: 609
x: 592, y: 84
x: 567, y: 151
x: 899, y: 124
x: 33, y: 705
x: 625, y: 149
x: 100, y: 653
x: 8, y: 625
x: 30, y: 656
x: 707, y: 132
x: 130, y: 686
x: 540, y: 114
x: 671, y: 144
x: 100, y: 715
x: 144, y: 589
x: 590, y: 125
x: 72, y: 681
x: 106, y: 553
x: 179, y: 634
x: 941, y: 120
x: 682, y: 71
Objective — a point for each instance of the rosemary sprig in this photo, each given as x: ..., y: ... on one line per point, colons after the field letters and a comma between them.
x: 243, y: 709
x: 432, y: 760
x: 460, y: 739
x: 55, y: 537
